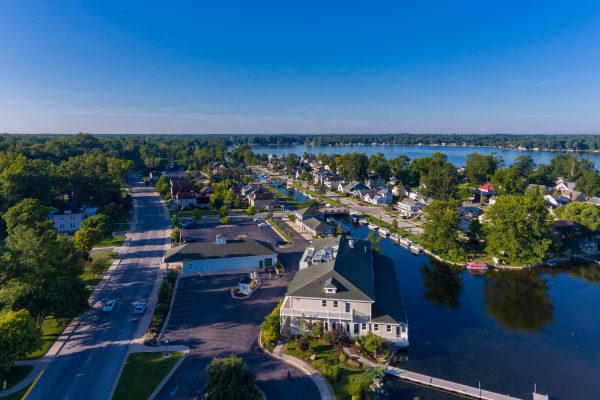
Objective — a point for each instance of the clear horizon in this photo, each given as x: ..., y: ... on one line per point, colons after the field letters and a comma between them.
x: 468, y: 67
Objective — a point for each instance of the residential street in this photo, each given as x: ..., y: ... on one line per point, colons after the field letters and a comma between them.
x: 88, y: 364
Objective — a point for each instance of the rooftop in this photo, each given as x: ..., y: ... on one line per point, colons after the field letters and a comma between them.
x: 211, y: 250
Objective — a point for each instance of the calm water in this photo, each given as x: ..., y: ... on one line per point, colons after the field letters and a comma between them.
x: 456, y: 155
x: 508, y: 330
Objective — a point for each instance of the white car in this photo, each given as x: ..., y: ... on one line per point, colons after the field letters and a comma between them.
x: 109, y: 305
x: 258, y: 219
x: 140, y: 308
x: 262, y: 224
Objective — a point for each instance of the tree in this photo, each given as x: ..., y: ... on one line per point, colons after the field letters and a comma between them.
x: 226, y: 220
x: 585, y: 214
x: 251, y: 210
x: 524, y: 166
x: 22, y: 178
x: 375, y: 240
x: 339, y: 230
x: 230, y: 379
x: 479, y: 168
x: 589, y: 183
x: 162, y: 186
x: 19, y: 336
x: 291, y: 162
x: 223, y: 211
x: 359, y: 387
x: 438, y: 177
x: 520, y: 226
x: 354, y: 166
x: 196, y: 214
x: 394, y: 224
x: 372, y: 343
x: 41, y: 271
x: 475, y: 232
x: 440, y: 228
x: 338, y: 338
x: 569, y: 166
x: 217, y: 199
x: 508, y: 181
x: 102, y: 223
x: 28, y: 212
x: 86, y: 237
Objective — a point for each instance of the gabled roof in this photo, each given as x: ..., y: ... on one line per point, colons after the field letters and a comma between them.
x: 315, y: 224
x: 308, y: 211
x: 321, y: 243
x: 351, y: 271
x: 211, y: 250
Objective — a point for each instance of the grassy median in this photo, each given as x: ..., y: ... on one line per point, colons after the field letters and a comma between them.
x: 52, y: 328
x: 143, y: 372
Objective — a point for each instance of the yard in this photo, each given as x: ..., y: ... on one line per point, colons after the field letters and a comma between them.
x: 94, y: 269
x: 143, y: 372
x: 51, y: 330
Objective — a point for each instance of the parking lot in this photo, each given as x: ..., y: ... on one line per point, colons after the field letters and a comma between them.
x: 206, y: 318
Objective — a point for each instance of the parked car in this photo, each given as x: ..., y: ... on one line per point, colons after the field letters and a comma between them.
x: 281, y: 242
x: 140, y: 308
x: 109, y: 305
x: 191, y: 240
x: 188, y: 225
x: 258, y: 219
x: 262, y: 224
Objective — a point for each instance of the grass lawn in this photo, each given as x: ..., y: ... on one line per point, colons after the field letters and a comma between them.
x: 341, y: 386
x: 51, y: 330
x: 111, y: 241
x: 94, y: 269
x: 142, y: 374
x: 14, y: 375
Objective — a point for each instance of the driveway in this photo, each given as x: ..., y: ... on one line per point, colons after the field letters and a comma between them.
x: 213, y: 324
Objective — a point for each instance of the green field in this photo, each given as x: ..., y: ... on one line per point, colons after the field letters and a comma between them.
x: 94, y: 270
x: 110, y: 241
x: 51, y: 330
x: 143, y: 372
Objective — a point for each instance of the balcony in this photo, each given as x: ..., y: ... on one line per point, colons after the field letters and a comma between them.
x: 295, y: 312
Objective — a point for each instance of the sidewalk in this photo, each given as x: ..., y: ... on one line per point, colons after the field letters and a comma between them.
x: 319, y: 380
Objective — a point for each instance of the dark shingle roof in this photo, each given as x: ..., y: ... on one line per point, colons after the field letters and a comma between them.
x: 352, y: 271
x: 308, y: 211
x: 388, y: 307
x: 233, y: 248
x: 315, y: 224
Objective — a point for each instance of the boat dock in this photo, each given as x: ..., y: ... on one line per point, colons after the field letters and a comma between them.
x: 447, y: 386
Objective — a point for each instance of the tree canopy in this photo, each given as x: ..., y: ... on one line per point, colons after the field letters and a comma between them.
x: 230, y: 379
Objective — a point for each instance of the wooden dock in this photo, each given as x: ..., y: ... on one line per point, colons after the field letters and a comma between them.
x: 448, y: 386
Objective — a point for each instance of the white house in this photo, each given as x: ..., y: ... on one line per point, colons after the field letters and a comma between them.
x: 221, y: 255
x: 355, y: 291
x: 409, y: 207
x: 68, y: 219
x: 185, y: 199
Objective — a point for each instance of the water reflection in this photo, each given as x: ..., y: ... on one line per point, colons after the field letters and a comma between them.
x: 443, y: 286
x: 519, y: 300
x: 588, y: 272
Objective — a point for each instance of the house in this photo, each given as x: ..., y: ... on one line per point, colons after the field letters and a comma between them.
x: 409, y: 207
x: 320, y: 251
x: 375, y: 180
x: 185, y: 199
x: 399, y: 190
x: 68, y: 219
x: 352, y: 186
x: 563, y: 184
x: 316, y: 227
x: 221, y: 255
x: 306, y: 213
x: 262, y: 199
x: 181, y: 185
x: 331, y: 181
x: 356, y: 291
x: 567, y: 189
x: 378, y: 198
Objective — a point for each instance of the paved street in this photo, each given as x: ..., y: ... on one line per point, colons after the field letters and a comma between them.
x: 89, y: 362
x: 207, y: 319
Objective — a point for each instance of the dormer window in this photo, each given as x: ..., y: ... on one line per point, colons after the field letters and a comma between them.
x: 330, y: 290
x: 330, y: 286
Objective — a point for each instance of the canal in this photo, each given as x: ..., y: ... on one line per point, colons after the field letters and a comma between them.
x: 507, y: 330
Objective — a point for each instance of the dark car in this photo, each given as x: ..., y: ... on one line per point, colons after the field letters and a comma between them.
x: 191, y: 240
x: 281, y: 242
x: 188, y: 225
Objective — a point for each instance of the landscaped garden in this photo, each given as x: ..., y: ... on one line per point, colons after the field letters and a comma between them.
x: 165, y: 293
x: 349, y: 378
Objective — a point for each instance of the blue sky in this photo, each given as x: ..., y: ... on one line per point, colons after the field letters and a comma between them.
x: 300, y: 66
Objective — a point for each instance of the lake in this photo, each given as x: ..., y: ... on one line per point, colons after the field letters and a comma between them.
x: 507, y: 330
x: 456, y: 154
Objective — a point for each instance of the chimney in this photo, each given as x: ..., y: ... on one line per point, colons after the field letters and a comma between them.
x: 221, y: 239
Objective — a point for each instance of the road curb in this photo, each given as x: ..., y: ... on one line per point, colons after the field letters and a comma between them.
x: 169, y: 375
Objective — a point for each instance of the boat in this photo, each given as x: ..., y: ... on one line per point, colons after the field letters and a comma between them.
x: 373, y: 227
x: 416, y: 250
x: 476, y: 266
x: 395, y: 237
x: 363, y: 221
x: 384, y: 232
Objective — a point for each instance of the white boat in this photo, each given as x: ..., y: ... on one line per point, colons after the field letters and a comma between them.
x: 373, y: 227
x: 415, y: 249
x: 384, y: 232
x: 363, y: 221
x: 395, y: 237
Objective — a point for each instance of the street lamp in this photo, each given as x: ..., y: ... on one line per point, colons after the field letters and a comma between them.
x: 166, y: 343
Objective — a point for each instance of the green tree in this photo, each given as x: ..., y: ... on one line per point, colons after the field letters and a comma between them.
x: 479, y: 168
x: 475, y: 232
x: 162, y: 186
x: 440, y: 228
x: 223, y: 211
x: 230, y: 379
x: 41, y: 273
x: 437, y: 177
x: 217, y: 199
x: 508, y: 181
x: 520, y: 226
x: 589, y: 183
x: 251, y: 210
x: 569, y: 166
x: 28, y: 212
x: 394, y: 224
x: 226, y: 220
x: 524, y: 166
x: 22, y: 178
x: 86, y: 237
x: 102, y: 223
x: 585, y: 214
x: 196, y: 214
x: 359, y: 387
x: 339, y: 230
x: 19, y: 336
x: 291, y: 162
x: 372, y: 343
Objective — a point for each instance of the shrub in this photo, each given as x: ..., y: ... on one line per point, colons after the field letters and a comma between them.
x: 352, y: 363
x: 303, y: 344
x: 165, y: 292
x: 338, y: 338
x: 359, y: 387
x: 270, y: 327
x: 331, y: 373
x: 162, y: 309
x: 343, y: 358
x: 327, y: 336
x: 171, y: 277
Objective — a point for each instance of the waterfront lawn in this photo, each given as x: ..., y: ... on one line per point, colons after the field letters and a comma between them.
x: 143, y: 372
x: 14, y: 375
x: 94, y: 269
x: 52, y: 328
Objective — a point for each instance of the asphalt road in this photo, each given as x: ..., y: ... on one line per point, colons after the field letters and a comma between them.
x: 207, y: 319
x: 89, y: 363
